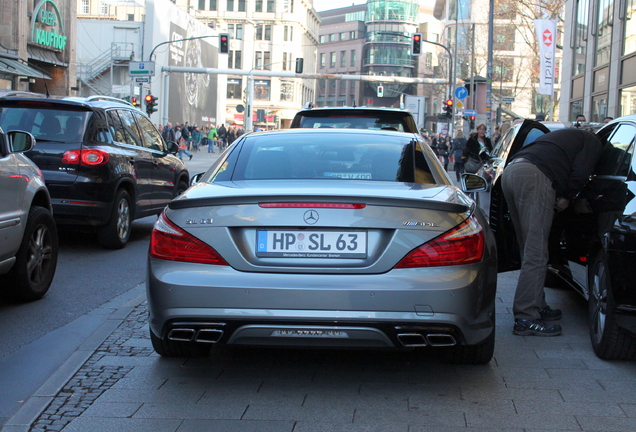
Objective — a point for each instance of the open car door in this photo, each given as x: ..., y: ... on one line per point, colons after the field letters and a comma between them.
x: 499, y: 215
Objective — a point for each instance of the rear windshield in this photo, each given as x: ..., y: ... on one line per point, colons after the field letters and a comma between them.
x: 395, y: 121
x: 331, y: 156
x: 45, y: 124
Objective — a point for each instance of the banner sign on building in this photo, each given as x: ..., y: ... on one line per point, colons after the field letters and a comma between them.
x: 47, y: 26
x: 546, y: 38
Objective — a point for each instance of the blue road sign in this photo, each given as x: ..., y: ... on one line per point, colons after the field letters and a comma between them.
x: 461, y: 92
x: 470, y: 112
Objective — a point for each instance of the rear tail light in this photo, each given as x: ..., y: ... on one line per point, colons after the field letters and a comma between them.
x: 462, y: 245
x: 85, y: 157
x: 169, y: 242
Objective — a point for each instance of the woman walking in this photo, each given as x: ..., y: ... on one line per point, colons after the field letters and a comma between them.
x: 457, y: 151
x: 478, y: 145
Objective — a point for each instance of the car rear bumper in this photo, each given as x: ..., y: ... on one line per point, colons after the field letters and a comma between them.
x: 408, y: 307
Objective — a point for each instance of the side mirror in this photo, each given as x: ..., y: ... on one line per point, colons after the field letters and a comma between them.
x: 173, y: 147
x: 19, y: 141
x: 473, y: 183
x: 196, y: 178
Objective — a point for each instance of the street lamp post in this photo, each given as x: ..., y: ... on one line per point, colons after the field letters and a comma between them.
x: 248, y: 120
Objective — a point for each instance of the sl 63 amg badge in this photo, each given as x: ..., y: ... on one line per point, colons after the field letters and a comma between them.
x: 422, y: 224
x: 199, y: 221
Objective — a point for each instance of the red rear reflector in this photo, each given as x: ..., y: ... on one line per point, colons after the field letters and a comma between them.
x: 313, y: 205
x: 169, y: 242
x: 462, y: 245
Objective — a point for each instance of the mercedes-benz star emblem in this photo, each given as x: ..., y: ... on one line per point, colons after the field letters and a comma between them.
x: 311, y: 217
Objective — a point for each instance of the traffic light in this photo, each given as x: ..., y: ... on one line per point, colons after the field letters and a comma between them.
x: 134, y: 101
x: 380, y: 91
x: 472, y: 122
x: 224, y: 43
x: 416, y: 44
x: 151, y: 104
x: 448, y: 107
x: 299, y: 65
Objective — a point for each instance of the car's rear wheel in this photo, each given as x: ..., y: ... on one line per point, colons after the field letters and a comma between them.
x: 470, y: 354
x: 181, y: 188
x: 609, y: 340
x: 169, y: 348
x: 36, y: 260
x: 116, y: 233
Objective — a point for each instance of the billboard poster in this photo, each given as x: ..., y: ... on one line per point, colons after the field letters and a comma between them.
x: 193, y: 97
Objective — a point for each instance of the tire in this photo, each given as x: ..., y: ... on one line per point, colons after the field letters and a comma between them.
x: 168, y: 348
x: 181, y: 188
x: 116, y: 233
x: 32, y: 273
x: 609, y: 341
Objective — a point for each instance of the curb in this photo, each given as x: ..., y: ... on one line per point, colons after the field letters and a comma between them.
x: 124, y: 304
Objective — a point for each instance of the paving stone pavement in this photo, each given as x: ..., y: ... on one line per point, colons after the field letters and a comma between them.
x: 532, y: 385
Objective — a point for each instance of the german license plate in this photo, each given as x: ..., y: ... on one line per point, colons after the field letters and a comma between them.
x: 311, y: 244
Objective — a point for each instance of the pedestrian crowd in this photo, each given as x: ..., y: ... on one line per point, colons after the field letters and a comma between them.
x: 191, y: 137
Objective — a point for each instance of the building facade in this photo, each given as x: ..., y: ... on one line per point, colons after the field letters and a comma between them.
x: 599, y: 59
x: 37, y: 46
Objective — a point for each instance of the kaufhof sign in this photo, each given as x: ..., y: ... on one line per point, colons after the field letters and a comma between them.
x: 47, y: 26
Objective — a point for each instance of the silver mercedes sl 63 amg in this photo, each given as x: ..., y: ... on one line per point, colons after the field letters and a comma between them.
x: 324, y: 238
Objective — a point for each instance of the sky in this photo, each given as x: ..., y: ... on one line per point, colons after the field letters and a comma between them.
x: 323, y: 5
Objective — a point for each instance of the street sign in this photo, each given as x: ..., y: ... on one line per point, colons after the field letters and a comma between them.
x: 459, y: 105
x: 461, y: 92
x: 470, y: 112
x: 141, y: 69
x: 142, y: 79
x: 507, y: 99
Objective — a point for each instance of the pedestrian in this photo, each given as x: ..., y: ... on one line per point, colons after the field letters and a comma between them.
x: 183, y: 148
x: 169, y: 133
x: 196, y: 138
x: 231, y: 135
x: 444, y: 152
x: 496, y: 136
x: 212, y: 137
x: 478, y: 148
x: 543, y: 176
x: 580, y: 118
x: 239, y: 132
x: 457, y: 151
x: 222, y: 136
x: 187, y: 134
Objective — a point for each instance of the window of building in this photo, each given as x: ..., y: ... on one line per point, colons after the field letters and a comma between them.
x: 332, y: 37
x: 628, y: 101
x: 581, y: 22
x: 230, y: 30
x: 131, y: 17
x: 258, y: 7
x: 284, y: 61
x: 352, y: 35
x: 262, y: 90
x: 503, y: 69
x: 332, y: 60
x: 291, y: 33
x: 630, y: 27
x: 599, y: 108
x: 343, y: 36
x: 104, y: 9
x: 271, y: 6
x: 234, y: 60
x: 285, y: 32
x: 268, y: 32
x: 202, y: 4
x: 323, y: 60
x: 322, y: 39
x: 352, y: 58
x: 505, y: 10
x: 85, y: 7
x: 212, y: 5
x: 239, y: 31
x: 230, y: 59
x: 241, y: 5
x: 234, y: 86
x: 230, y: 5
x: 262, y: 60
x: 604, y: 31
x: 288, y: 6
x: 504, y: 38
x: 286, y: 91
x: 343, y: 58
x: 259, y: 32
x: 428, y: 60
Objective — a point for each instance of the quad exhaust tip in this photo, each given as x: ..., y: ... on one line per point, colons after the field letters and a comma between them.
x: 191, y: 335
x: 412, y: 340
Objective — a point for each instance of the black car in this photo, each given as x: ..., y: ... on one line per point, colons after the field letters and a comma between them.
x: 355, y: 118
x: 104, y: 163
x: 592, y: 242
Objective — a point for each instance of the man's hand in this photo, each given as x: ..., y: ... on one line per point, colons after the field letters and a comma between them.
x: 561, y: 204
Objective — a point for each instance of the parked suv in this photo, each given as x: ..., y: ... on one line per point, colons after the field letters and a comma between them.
x: 355, y: 118
x: 28, y: 237
x: 104, y: 163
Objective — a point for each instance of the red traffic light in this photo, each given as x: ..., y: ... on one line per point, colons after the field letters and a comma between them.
x: 449, y: 102
x: 472, y: 118
x: 149, y: 98
x: 417, y: 37
x: 134, y: 100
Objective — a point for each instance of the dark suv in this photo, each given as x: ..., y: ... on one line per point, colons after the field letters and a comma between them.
x: 355, y: 118
x: 104, y: 163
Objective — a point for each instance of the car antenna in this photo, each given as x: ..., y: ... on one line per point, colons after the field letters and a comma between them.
x: 47, y: 90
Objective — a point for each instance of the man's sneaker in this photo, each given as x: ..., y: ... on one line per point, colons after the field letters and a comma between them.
x: 535, y: 328
x: 549, y: 314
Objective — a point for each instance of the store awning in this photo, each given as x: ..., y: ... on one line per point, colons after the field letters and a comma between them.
x: 14, y: 67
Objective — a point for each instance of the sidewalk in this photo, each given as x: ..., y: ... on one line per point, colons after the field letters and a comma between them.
x: 532, y: 384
